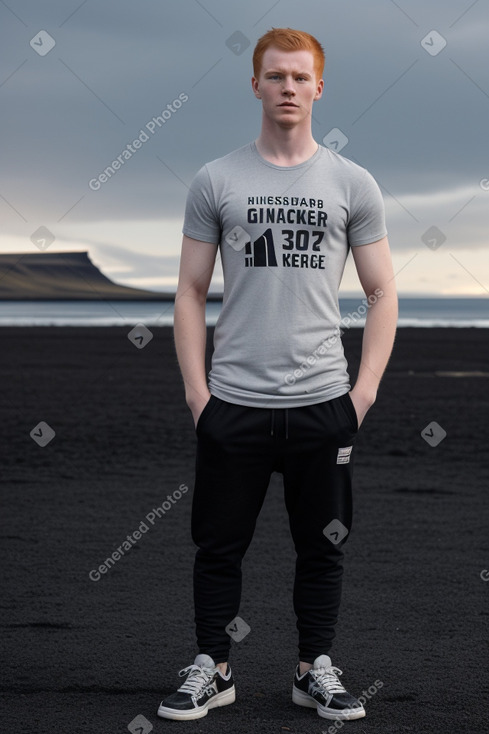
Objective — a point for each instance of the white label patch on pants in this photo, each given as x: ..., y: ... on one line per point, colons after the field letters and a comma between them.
x: 344, y: 455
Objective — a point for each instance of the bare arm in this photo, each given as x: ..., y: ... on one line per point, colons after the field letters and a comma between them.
x: 374, y: 268
x: 196, y: 268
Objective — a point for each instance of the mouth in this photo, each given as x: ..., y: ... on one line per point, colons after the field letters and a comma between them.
x: 288, y: 104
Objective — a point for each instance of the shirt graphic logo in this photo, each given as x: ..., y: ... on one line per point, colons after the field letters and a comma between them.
x: 262, y: 252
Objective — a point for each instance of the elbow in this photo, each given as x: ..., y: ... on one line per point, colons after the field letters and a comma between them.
x: 190, y: 293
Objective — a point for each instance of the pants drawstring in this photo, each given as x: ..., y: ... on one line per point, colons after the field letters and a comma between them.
x: 272, y: 422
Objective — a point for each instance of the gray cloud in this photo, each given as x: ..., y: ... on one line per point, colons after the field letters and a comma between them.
x: 417, y: 122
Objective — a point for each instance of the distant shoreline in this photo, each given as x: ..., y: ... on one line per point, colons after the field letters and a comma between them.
x: 114, y: 310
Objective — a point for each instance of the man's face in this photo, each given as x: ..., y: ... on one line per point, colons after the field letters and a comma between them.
x: 287, y: 86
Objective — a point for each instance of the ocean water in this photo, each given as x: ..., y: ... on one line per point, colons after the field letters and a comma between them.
x: 420, y: 312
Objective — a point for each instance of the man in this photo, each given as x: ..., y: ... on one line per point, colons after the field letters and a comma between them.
x: 284, y: 212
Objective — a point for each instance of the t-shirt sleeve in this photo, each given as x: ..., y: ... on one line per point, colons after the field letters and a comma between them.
x: 367, y: 215
x: 201, y: 221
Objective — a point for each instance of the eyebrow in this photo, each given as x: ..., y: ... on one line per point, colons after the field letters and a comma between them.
x: 283, y: 71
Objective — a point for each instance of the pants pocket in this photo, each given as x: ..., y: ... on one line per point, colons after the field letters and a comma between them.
x: 348, y: 402
x: 205, y: 413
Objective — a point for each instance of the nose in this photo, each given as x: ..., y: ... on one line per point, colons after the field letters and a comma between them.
x: 288, y: 87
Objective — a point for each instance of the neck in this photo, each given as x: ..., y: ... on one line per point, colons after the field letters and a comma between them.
x: 286, y: 146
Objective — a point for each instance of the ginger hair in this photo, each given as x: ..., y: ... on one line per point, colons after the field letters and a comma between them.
x: 288, y: 39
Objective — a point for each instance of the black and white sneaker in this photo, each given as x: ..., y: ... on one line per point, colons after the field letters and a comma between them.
x: 205, y: 688
x: 321, y: 689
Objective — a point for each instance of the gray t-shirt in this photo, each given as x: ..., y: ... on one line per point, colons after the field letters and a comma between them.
x: 284, y: 235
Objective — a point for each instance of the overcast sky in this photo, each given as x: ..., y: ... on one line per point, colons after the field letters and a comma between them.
x: 406, y: 82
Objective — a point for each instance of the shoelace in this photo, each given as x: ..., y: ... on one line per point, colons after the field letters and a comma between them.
x: 198, y: 679
x: 326, y: 679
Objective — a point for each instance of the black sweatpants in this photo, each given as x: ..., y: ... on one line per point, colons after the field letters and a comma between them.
x: 238, y: 448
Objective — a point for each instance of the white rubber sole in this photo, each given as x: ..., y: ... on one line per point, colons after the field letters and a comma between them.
x: 303, y: 699
x: 221, y: 699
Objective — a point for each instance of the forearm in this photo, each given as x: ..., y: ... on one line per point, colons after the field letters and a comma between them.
x: 190, y: 333
x: 378, y: 340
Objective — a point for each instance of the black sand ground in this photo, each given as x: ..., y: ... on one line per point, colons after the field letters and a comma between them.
x: 83, y: 656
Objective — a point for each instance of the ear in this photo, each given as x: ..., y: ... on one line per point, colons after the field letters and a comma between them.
x: 255, y: 87
x: 319, y: 90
